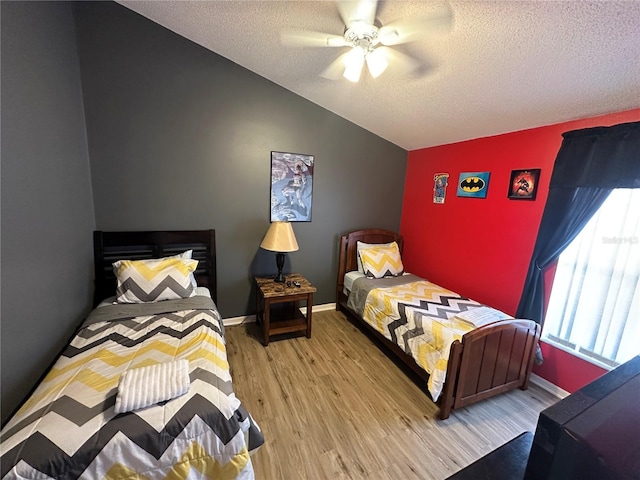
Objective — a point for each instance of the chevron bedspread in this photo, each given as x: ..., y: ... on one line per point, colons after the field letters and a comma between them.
x: 68, y: 428
x: 418, y: 316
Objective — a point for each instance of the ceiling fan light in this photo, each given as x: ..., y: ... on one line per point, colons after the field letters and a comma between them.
x: 376, y: 63
x: 352, y: 73
x: 353, y: 61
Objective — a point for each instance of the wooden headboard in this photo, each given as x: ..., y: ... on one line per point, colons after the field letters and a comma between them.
x: 348, y: 254
x: 109, y: 247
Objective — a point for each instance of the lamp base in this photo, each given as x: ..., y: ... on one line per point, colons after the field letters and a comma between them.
x: 279, y: 263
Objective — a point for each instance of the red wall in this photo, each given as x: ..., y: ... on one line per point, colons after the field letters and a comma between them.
x: 481, y: 248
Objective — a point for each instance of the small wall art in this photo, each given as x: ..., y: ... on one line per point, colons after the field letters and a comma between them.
x: 291, y: 186
x: 473, y: 184
x: 523, y: 184
x: 440, y: 182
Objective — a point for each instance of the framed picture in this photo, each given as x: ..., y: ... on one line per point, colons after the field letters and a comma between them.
x: 440, y: 182
x: 523, y: 184
x: 291, y: 186
x: 473, y: 184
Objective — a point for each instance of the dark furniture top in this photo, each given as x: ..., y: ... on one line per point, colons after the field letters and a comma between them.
x: 270, y: 289
x: 109, y: 247
x: 507, y: 462
x: 593, y: 433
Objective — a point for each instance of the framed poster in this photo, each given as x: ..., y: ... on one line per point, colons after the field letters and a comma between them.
x: 440, y: 182
x: 473, y: 184
x: 523, y: 184
x: 291, y: 186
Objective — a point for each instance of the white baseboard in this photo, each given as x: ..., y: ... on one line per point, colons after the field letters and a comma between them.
x: 234, y: 321
x: 548, y: 386
x: 320, y: 308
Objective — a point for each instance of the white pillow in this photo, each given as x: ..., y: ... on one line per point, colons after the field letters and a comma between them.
x: 480, y: 316
x: 187, y: 256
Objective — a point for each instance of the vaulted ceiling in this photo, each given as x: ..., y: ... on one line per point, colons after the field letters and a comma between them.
x: 498, y: 66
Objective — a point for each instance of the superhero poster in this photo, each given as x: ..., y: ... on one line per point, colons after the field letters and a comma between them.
x: 473, y: 184
x: 440, y: 182
x: 524, y: 184
x: 291, y: 186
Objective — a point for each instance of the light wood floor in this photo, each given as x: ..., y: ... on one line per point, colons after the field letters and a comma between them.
x: 336, y: 407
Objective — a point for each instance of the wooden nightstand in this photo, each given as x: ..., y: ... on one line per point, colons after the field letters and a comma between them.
x: 277, y: 306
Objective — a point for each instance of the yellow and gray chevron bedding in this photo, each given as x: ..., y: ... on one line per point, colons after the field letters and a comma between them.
x: 418, y: 316
x: 68, y: 428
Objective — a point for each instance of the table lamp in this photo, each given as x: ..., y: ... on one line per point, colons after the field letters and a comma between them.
x: 280, y: 238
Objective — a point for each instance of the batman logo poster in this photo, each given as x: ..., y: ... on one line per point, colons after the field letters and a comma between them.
x: 473, y: 184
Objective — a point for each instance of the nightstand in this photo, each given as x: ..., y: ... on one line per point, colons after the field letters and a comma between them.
x: 277, y: 309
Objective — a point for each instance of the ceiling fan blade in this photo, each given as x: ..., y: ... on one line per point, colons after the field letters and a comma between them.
x: 363, y: 11
x: 376, y: 62
x: 404, y: 31
x: 398, y: 59
x: 335, y: 69
x: 306, y: 38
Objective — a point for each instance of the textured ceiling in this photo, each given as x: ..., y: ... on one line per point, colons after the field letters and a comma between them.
x: 501, y: 66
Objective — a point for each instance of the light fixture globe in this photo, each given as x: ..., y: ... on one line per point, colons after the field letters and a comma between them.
x: 353, y: 62
x: 363, y: 38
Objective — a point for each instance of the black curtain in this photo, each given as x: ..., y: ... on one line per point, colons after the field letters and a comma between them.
x: 567, y: 211
x: 590, y: 163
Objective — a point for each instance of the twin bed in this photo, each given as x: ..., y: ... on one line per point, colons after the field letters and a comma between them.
x: 465, y: 351
x: 180, y: 418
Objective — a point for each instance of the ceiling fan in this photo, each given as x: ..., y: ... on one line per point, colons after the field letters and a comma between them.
x: 368, y: 39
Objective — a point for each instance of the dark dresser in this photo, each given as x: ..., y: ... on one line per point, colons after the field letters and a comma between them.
x: 593, y: 434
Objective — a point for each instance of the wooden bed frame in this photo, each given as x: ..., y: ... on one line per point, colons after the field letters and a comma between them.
x: 488, y: 361
x: 109, y: 247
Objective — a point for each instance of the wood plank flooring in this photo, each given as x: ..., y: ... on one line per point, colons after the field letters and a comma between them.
x: 335, y: 406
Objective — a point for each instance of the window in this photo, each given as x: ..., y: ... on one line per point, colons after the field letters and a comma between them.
x: 594, y: 307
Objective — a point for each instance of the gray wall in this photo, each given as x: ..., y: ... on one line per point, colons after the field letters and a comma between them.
x: 47, y: 211
x: 180, y: 138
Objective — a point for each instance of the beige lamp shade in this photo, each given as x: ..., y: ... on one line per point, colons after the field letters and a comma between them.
x: 280, y: 238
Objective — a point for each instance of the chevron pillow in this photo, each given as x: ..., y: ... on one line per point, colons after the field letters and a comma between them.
x: 141, y: 281
x: 382, y: 261
x: 361, y: 245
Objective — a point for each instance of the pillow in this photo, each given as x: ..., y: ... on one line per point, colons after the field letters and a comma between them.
x: 187, y: 256
x: 361, y: 245
x: 201, y: 291
x: 145, y: 386
x: 480, y: 316
x: 141, y: 281
x: 382, y: 261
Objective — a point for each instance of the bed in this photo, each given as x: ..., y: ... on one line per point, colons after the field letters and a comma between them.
x: 463, y: 363
x: 161, y: 365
